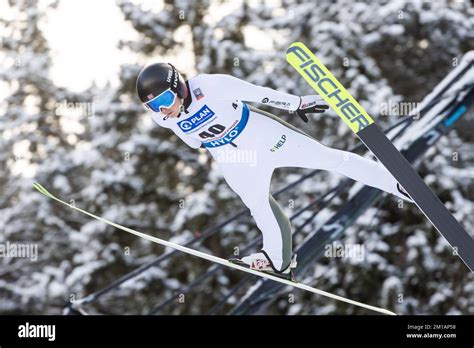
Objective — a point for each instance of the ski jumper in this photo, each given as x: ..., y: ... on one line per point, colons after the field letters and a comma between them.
x: 217, y: 117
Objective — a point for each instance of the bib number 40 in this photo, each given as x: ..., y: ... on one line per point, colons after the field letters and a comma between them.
x: 212, y: 131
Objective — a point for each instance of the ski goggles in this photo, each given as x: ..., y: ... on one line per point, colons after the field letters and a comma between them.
x: 163, y: 100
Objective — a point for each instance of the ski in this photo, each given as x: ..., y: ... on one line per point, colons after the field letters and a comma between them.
x: 328, y: 87
x: 441, y: 122
x: 213, y: 258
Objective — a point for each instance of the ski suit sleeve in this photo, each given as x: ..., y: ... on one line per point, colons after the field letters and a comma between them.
x: 226, y: 87
x: 191, y: 142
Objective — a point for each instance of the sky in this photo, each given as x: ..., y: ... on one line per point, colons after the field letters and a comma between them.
x: 83, y: 36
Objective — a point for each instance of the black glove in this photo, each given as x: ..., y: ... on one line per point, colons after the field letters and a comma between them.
x: 309, y: 105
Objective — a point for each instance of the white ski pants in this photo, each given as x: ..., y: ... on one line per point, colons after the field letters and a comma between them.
x: 268, y: 143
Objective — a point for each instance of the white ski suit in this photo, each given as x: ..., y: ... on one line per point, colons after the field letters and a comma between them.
x: 248, y: 144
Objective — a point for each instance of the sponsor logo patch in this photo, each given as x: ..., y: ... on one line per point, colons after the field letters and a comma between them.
x: 308, y: 105
x: 280, y: 143
x: 196, y: 120
x: 278, y: 103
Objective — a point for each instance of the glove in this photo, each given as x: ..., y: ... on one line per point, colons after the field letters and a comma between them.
x: 310, y: 104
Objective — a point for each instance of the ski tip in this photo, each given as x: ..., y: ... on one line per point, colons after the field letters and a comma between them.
x: 38, y: 186
x: 296, y: 44
x: 41, y: 189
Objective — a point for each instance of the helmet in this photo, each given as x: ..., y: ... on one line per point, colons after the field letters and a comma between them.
x: 158, y: 85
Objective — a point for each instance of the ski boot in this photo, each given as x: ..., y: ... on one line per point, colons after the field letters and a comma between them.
x: 260, y: 262
x: 404, y: 194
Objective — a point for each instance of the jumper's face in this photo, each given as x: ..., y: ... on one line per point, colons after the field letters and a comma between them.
x: 174, y: 110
